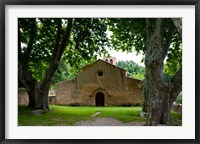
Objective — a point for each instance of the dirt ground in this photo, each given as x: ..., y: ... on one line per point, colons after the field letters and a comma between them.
x: 107, y: 122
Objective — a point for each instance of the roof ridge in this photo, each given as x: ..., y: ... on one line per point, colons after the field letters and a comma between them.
x: 102, y: 61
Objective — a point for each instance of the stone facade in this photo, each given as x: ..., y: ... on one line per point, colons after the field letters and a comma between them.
x: 100, y: 84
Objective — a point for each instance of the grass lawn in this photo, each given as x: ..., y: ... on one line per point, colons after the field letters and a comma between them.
x: 68, y: 115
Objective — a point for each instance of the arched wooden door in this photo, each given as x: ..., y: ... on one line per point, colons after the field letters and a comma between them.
x: 100, y: 99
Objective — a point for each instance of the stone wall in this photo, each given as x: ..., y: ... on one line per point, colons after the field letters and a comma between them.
x: 23, y: 98
x: 52, y: 100
x: 64, y: 91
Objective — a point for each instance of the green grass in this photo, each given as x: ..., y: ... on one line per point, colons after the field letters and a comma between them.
x: 59, y: 115
x: 124, y: 114
x: 177, y: 118
x: 68, y: 115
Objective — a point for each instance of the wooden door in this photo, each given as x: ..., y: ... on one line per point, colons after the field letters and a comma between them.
x: 100, y: 99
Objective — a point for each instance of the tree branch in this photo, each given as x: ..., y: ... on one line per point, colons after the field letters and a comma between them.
x: 169, y: 38
x: 58, y: 51
x: 26, y: 55
x: 19, y: 42
x: 150, y: 27
x: 154, y: 42
x: 176, y: 81
x: 67, y: 35
x: 178, y: 23
x: 59, y: 48
x: 176, y: 85
x: 57, y: 42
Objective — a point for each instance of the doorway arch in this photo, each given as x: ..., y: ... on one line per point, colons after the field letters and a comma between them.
x: 100, y: 99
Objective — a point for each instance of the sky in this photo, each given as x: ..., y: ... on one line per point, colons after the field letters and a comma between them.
x: 119, y: 55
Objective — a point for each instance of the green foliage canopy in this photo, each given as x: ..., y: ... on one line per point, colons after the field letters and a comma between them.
x: 134, y: 70
x: 129, y: 34
x: 88, y: 39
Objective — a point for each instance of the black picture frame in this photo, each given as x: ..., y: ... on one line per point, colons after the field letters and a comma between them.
x: 3, y: 4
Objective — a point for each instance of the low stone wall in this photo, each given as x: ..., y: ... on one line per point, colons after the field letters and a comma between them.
x: 23, y: 98
x: 177, y: 108
x: 52, y: 100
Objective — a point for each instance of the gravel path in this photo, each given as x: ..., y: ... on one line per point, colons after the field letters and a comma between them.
x: 107, y: 122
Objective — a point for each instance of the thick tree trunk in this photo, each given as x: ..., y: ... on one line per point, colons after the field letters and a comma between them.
x: 42, y: 89
x: 163, y: 51
x: 29, y: 84
x: 38, y: 96
x: 159, y: 94
x: 158, y: 107
x: 41, y: 97
x: 145, y: 96
x: 166, y: 110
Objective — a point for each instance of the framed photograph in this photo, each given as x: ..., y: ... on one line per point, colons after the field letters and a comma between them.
x: 44, y: 32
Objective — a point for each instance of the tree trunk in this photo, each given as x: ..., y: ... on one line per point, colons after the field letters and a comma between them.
x: 159, y: 94
x: 145, y: 96
x: 29, y: 83
x: 42, y: 89
x: 158, y: 108
x: 41, y: 97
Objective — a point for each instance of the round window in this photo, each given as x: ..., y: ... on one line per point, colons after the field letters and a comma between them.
x: 100, y: 73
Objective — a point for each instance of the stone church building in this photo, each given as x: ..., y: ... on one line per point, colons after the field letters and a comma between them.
x: 101, y: 83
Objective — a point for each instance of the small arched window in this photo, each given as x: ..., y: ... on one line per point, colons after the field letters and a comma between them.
x: 106, y: 60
